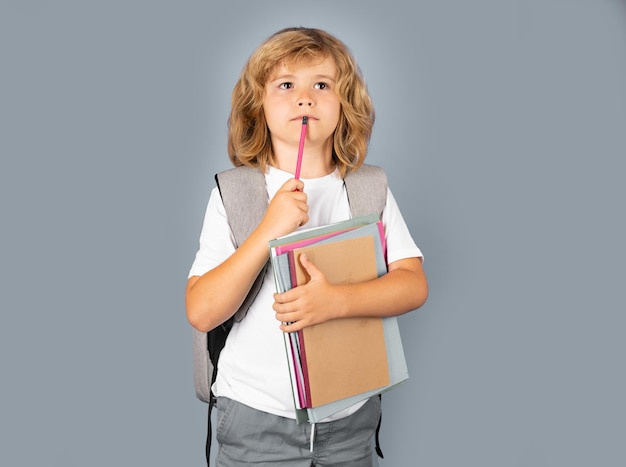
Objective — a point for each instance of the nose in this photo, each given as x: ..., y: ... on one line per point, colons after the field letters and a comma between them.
x: 304, y: 100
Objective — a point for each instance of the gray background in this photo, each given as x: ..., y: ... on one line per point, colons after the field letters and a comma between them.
x: 502, y: 127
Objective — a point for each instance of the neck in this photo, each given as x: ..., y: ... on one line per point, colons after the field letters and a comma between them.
x: 316, y: 161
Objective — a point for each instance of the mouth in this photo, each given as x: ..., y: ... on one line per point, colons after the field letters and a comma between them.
x: 300, y: 117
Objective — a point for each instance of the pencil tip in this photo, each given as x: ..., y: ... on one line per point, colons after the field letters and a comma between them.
x: 305, y: 120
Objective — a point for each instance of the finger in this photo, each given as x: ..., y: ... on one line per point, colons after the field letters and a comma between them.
x: 285, y: 297
x: 283, y: 308
x: 293, y: 185
x: 287, y: 318
x: 291, y: 327
x: 299, y: 186
x: 284, y: 317
x: 310, y: 268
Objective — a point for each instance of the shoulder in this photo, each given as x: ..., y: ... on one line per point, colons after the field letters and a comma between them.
x: 230, y: 183
x: 244, y: 196
x: 241, y: 174
x: 368, y: 176
x: 367, y: 189
x: 368, y: 171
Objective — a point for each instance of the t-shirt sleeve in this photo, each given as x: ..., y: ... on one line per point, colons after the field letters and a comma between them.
x: 216, y: 239
x: 400, y: 243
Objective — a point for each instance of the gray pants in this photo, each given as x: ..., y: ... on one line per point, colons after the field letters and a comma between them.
x: 250, y: 437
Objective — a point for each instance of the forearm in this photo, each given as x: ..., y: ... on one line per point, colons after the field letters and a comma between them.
x: 215, y: 296
x: 402, y: 289
x: 397, y: 292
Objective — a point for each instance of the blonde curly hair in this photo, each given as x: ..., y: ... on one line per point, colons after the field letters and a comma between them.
x: 249, y: 140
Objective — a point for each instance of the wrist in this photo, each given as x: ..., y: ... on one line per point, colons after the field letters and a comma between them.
x: 342, y: 301
x: 256, y: 246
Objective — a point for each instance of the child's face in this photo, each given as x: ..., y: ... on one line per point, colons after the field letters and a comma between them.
x: 303, y: 89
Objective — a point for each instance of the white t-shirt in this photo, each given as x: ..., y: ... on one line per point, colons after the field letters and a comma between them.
x: 253, y: 365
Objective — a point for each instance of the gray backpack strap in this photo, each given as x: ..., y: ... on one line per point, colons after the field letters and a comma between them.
x: 367, y: 193
x: 367, y: 190
x: 244, y: 195
x: 245, y: 198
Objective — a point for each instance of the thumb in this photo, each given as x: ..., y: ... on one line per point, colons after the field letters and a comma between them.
x: 312, y: 270
x: 292, y: 185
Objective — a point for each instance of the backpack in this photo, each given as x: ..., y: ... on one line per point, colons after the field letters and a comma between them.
x: 367, y: 193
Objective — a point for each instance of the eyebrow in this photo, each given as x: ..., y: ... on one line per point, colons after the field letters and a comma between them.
x: 290, y: 76
x: 326, y: 77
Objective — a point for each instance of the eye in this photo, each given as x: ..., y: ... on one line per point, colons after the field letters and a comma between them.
x: 321, y: 85
x: 285, y: 85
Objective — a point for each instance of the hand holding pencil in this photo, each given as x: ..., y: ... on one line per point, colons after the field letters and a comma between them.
x: 288, y: 209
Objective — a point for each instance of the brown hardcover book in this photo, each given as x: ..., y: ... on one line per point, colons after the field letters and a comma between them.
x: 343, y: 357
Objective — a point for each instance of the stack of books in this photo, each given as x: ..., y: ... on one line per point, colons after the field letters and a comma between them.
x: 341, y: 362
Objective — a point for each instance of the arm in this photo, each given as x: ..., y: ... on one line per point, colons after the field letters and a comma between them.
x: 402, y: 289
x: 215, y: 296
